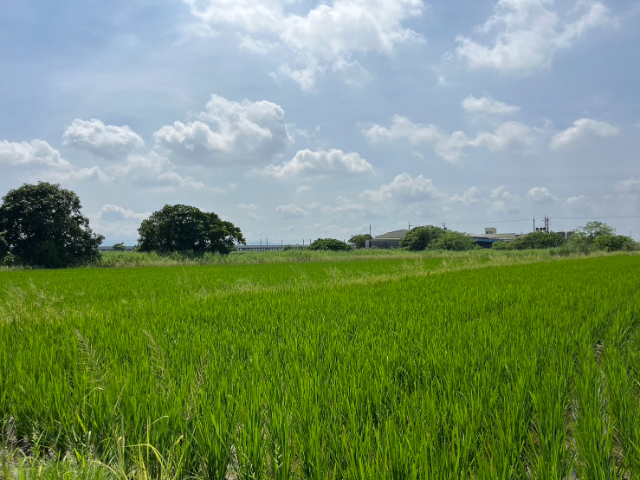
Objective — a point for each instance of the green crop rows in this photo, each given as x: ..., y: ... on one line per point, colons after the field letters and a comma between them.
x: 370, y: 369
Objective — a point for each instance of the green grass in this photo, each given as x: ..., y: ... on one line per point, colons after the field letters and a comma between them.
x: 424, y: 367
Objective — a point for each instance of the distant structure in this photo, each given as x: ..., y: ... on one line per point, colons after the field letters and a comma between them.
x: 492, y: 236
x: 387, y: 241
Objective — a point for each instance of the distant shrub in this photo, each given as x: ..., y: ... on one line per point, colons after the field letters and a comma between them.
x: 329, y: 244
x: 453, y: 241
x: 614, y: 243
x: 532, y: 241
x: 420, y: 238
x: 119, y: 247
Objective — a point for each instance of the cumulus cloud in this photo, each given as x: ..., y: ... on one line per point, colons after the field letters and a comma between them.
x: 470, y: 196
x: 115, y: 220
x: 529, y: 33
x: 581, y: 129
x: 228, y: 132
x: 319, y: 163
x: 250, y: 206
x: 303, y: 189
x: 36, y: 152
x: 328, y: 35
x: 290, y: 211
x: 507, y: 136
x: 541, y: 195
x: 404, y: 188
x: 174, y: 179
x: 628, y: 186
x: 106, y: 141
x: 487, y: 106
x: 80, y: 175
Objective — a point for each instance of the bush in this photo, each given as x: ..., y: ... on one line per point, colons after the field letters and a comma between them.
x: 614, y: 243
x: 119, y: 247
x: 329, y: 244
x: 453, y: 241
x: 532, y: 241
x: 420, y: 238
x: 359, y: 241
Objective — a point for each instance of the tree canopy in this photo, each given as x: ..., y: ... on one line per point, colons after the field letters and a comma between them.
x: 453, y: 241
x: 359, y: 241
x: 421, y: 238
x: 43, y: 226
x: 329, y: 244
x: 182, y: 228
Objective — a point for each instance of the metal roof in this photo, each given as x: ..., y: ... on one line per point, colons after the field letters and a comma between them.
x: 396, y: 234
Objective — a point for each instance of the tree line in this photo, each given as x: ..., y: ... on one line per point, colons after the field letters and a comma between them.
x: 42, y: 225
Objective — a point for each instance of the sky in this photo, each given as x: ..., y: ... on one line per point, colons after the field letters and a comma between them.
x: 298, y: 119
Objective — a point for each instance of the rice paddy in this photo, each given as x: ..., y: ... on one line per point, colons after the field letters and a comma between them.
x: 395, y: 368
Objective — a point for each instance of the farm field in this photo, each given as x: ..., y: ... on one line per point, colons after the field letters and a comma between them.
x: 398, y: 368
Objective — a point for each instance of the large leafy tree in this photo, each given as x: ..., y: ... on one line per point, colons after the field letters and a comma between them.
x: 421, y: 238
x: 360, y: 241
x: 329, y: 244
x: 43, y: 226
x: 181, y: 228
x: 453, y: 241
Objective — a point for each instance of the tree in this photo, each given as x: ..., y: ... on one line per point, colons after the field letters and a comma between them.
x: 44, y: 227
x: 359, y: 241
x: 453, y: 241
x: 593, y: 230
x: 119, y: 247
x: 181, y: 228
x: 329, y: 244
x: 614, y: 243
x: 421, y: 238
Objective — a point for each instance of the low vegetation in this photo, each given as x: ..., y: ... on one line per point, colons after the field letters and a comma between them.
x: 325, y: 369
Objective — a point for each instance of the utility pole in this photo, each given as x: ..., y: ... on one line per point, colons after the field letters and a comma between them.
x: 409, y: 226
x: 534, y: 224
x: 369, y: 230
x: 547, y: 224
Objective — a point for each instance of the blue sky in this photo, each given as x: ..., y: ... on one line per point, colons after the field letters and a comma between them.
x: 305, y: 119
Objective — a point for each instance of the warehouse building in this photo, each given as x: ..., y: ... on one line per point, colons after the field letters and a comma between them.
x: 387, y: 241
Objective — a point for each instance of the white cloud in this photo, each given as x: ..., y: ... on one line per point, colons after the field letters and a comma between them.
x: 37, y: 152
x: 229, y: 132
x: 470, y: 196
x: 528, y: 34
x: 303, y: 189
x: 507, y: 136
x: 404, y: 130
x: 244, y: 206
x: 115, y: 220
x: 290, y: 211
x: 504, y: 208
x: 322, y: 162
x: 176, y: 180
x: 79, y: 175
x: 628, y: 186
x: 541, y: 195
x: 328, y: 35
x: 250, y: 44
x: 582, y: 128
x: 487, y: 106
x: 404, y: 188
x: 106, y: 141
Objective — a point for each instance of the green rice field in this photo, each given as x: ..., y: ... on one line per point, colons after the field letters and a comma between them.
x: 468, y: 367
